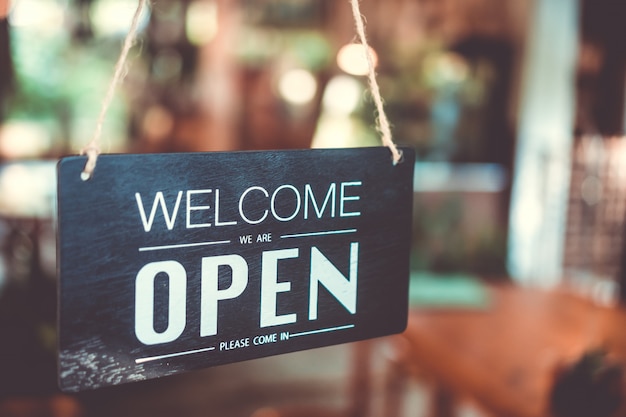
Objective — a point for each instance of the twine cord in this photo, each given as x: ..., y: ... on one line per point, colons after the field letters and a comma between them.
x: 382, y: 123
x: 92, y: 149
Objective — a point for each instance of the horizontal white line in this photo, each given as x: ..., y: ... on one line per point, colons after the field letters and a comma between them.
x: 172, y: 355
x: 330, y: 329
x: 183, y: 245
x: 329, y: 232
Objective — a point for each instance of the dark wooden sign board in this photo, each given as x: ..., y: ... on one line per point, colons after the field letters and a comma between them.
x: 174, y: 262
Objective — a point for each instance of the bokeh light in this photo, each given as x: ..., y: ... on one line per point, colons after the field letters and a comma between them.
x: 351, y: 58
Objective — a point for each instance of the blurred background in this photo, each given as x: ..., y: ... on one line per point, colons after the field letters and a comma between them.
x: 516, y: 109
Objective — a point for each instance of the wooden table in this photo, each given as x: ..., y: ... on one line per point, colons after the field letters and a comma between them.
x: 505, y: 356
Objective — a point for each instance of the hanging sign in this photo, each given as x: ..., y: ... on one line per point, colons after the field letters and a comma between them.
x: 174, y: 262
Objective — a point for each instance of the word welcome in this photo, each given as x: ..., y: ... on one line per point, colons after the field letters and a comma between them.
x: 198, y: 215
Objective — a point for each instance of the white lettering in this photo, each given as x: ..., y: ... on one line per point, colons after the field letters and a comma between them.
x: 325, y: 273
x: 217, y: 211
x: 169, y: 220
x: 283, y: 207
x: 243, y: 216
x: 210, y: 293
x: 245, y: 239
x: 344, y: 198
x: 273, y: 203
x: 264, y: 237
x: 264, y: 339
x: 191, y: 208
x: 144, y: 302
x: 235, y: 344
x: 330, y: 195
x: 270, y: 287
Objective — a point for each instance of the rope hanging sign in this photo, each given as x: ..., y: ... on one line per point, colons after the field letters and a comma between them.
x: 174, y: 262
